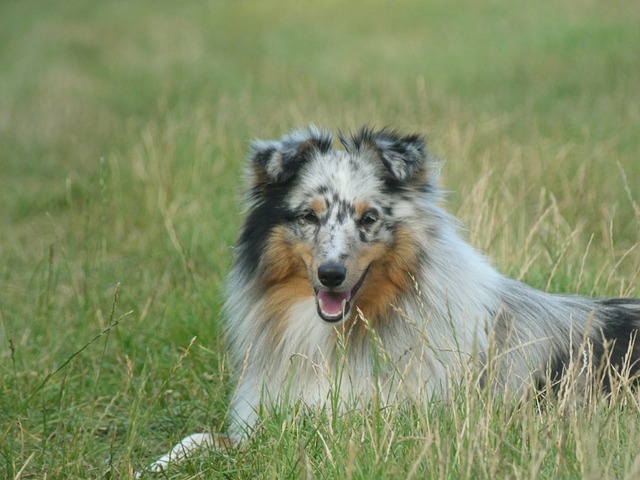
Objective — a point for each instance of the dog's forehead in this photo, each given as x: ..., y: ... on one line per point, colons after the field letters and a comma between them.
x: 339, y: 174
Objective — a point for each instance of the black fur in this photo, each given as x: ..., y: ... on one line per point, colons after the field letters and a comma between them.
x: 278, y: 161
x: 619, y: 345
x: 275, y: 165
x: 616, y: 347
x: 269, y: 211
x: 403, y: 157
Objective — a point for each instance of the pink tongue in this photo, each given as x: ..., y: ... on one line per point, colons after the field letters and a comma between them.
x: 332, y: 301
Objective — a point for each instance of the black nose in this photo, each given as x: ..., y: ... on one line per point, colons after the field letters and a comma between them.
x: 331, y: 274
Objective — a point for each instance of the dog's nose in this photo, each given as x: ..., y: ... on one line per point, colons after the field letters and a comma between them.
x: 331, y: 274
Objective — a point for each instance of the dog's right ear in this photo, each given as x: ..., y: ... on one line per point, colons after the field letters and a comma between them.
x: 277, y: 161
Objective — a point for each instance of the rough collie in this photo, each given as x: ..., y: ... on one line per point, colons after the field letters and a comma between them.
x: 351, y: 278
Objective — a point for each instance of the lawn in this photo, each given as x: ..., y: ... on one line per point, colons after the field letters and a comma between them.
x: 123, y: 132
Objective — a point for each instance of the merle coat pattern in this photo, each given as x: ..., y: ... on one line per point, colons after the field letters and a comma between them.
x: 346, y: 255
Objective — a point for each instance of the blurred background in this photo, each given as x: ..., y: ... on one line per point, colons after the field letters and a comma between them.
x: 123, y: 131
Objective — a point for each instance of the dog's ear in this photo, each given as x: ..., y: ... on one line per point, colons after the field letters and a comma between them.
x: 404, y: 157
x: 277, y: 161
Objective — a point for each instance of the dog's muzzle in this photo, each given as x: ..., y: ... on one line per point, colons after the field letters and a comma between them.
x: 334, y: 303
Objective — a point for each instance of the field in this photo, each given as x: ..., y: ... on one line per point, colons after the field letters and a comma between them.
x: 123, y: 131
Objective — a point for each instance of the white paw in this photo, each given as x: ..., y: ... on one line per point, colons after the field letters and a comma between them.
x: 179, y: 452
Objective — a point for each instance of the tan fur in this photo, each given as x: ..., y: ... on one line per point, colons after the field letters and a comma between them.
x: 285, y: 280
x: 318, y: 206
x: 361, y: 208
x: 389, y: 275
x: 391, y: 269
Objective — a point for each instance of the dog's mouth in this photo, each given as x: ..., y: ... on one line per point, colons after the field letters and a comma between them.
x: 334, y: 306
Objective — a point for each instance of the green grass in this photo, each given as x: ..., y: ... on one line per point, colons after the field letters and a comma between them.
x: 123, y: 128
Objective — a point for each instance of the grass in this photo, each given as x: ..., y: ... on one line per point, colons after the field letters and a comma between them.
x: 123, y: 128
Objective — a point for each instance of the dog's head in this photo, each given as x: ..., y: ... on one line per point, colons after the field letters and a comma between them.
x: 336, y: 225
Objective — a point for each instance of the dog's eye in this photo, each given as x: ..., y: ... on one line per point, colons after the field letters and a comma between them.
x: 310, y: 217
x: 369, y: 218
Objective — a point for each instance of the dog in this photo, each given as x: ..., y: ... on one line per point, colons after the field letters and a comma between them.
x: 350, y: 277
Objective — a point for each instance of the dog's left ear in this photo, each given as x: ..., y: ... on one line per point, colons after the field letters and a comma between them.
x: 277, y: 161
x: 404, y: 157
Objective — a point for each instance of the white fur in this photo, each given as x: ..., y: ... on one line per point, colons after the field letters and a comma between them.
x: 459, y: 307
x: 179, y: 452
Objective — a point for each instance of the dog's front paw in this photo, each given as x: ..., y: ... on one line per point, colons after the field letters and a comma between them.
x: 186, y: 448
